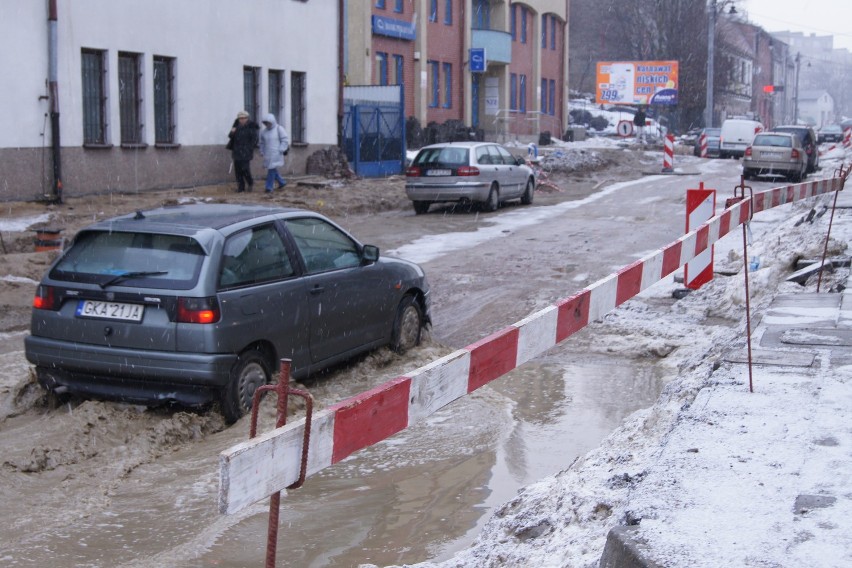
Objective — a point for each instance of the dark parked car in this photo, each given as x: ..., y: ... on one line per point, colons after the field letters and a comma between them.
x: 808, y: 138
x: 775, y: 154
x: 830, y: 133
x: 198, y: 303
x: 468, y: 172
x: 713, y: 137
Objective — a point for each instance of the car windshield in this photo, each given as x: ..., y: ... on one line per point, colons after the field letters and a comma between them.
x: 713, y: 132
x: 832, y: 128
x: 769, y: 140
x: 449, y: 157
x: 110, y: 258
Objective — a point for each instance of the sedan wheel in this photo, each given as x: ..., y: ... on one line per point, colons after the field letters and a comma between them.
x: 527, y: 197
x: 407, y: 326
x: 421, y: 207
x: 249, y: 372
x: 493, y: 199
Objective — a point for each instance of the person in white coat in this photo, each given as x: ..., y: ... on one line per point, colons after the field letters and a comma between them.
x: 274, y: 144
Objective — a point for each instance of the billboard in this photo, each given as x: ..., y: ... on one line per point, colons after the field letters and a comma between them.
x: 637, y: 82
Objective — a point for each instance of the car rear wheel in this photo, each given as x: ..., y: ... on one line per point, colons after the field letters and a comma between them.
x: 493, y: 200
x: 527, y: 197
x: 407, y: 326
x: 421, y: 207
x: 249, y: 372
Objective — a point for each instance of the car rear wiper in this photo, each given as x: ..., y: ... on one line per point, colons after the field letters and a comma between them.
x: 126, y: 275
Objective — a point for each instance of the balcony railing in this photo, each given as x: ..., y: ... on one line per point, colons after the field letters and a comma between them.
x: 497, y: 44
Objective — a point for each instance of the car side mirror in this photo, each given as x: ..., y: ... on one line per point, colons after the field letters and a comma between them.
x: 519, y: 161
x: 370, y: 254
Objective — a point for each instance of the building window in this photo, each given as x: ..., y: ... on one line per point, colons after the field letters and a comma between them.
x: 523, y: 24
x: 398, y: 6
x: 164, y: 100
x: 552, y: 33
x: 448, y: 12
x: 551, y: 109
x: 543, y: 95
x: 298, y: 109
x: 433, y: 10
x: 482, y: 15
x: 130, y: 97
x: 513, y: 22
x: 448, y: 85
x: 399, y: 67
x: 382, y: 67
x: 435, y: 83
x: 522, y: 93
x: 94, y: 97
x: 513, y: 91
x: 380, y: 4
x: 544, y: 31
x: 276, y: 94
x: 251, y: 92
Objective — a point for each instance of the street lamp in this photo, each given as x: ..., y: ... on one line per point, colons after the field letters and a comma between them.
x: 711, y: 35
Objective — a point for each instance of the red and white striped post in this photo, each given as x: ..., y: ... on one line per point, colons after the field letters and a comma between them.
x: 847, y: 138
x: 668, y: 153
x: 700, y: 206
x: 702, y: 144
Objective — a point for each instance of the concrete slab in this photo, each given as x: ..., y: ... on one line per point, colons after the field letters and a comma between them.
x: 770, y: 357
x: 817, y: 336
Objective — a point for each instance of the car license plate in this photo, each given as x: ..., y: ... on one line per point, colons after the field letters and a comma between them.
x: 109, y: 310
x: 439, y: 172
x: 772, y: 155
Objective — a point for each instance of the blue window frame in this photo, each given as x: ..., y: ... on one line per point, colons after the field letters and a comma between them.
x: 382, y: 62
x: 399, y: 68
x: 552, y: 33
x: 551, y: 109
x: 513, y: 22
x: 397, y: 7
x: 544, y: 31
x: 436, y: 83
x: 522, y: 93
x: 433, y: 10
x: 448, y: 12
x: 544, y: 95
x: 513, y: 91
x: 448, y: 85
x: 380, y: 4
x: 523, y: 24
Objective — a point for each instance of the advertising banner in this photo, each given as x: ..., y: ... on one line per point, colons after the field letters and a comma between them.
x: 637, y: 82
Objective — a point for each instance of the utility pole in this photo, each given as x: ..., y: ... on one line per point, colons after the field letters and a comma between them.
x: 711, y: 36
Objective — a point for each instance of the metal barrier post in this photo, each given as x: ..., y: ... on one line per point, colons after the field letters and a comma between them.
x: 742, y: 187
x: 283, y: 390
x: 842, y: 175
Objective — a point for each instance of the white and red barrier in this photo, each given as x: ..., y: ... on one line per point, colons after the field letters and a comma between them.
x: 702, y: 144
x: 700, y: 206
x: 847, y: 138
x: 668, y: 153
x: 262, y: 466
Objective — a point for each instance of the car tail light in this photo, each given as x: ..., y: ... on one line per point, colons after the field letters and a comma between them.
x: 794, y: 154
x: 748, y: 151
x: 45, y: 298
x: 198, y: 310
x: 412, y: 172
x: 467, y: 171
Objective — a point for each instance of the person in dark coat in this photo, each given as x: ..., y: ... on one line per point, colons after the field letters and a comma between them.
x: 639, y: 120
x: 243, y: 140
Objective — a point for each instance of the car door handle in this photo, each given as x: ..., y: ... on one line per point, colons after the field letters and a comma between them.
x: 317, y: 290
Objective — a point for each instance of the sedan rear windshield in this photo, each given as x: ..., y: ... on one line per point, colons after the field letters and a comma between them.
x: 443, y: 157
x: 144, y: 260
x: 769, y: 140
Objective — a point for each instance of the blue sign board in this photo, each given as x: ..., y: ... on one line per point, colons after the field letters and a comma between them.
x: 399, y: 29
x: 477, y: 60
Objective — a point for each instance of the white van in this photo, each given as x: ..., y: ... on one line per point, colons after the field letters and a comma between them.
x: 737, y: 135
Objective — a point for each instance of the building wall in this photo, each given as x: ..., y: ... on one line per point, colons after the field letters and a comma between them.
x: 210, y: 41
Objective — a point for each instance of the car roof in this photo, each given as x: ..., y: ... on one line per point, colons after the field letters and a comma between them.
x: 779, y: 134
x: 460, y: 143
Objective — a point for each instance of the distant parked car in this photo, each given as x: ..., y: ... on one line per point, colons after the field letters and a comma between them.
x: 736, y: 135
x: 198, y: 303
x: 713, y: 136
x: 808, y: 137
x: 468, y: 172
x: 776, y: 154
x: 830, y: 133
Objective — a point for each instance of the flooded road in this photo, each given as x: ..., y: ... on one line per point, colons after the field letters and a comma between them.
x: 103, y: 484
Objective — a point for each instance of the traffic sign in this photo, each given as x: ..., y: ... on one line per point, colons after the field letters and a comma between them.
x: 477, y: 60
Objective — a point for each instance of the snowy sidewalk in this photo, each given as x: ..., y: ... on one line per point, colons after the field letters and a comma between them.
x: 762, y: 478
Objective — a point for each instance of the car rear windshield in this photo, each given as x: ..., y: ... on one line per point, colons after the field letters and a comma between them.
x: 147, y: 260
x: 769, y: 140
x: 442, y: 157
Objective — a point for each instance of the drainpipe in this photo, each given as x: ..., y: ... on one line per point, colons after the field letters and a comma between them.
x: 341, y: 26
x: 53, y: 88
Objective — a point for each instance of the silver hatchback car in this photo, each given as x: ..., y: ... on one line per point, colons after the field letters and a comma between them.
x: 776, y: 154
x: 198, y: 303
x: 468, y: 172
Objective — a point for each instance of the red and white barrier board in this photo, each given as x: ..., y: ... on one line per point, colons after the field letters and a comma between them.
x: 700, y: 206
x: 266, y: 464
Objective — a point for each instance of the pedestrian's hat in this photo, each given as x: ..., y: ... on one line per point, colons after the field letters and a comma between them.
x: 242, y: 114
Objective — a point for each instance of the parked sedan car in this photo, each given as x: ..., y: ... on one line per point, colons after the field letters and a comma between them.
x: 198, y: 303
x: 808, y: 138
x: 777, y: 154
x: 830, y: 133
x: 468, y: 172
x: 713, y: 137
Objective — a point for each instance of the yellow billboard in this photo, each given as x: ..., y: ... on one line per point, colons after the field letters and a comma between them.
x: 637, y: 82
